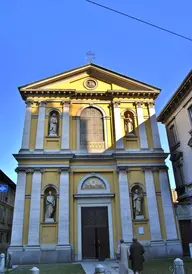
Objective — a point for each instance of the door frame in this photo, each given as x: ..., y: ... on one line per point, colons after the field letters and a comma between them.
x: 92, y: 202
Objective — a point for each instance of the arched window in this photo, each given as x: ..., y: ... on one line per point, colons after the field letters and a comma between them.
x: 53, y: 125
x: 91, y: 129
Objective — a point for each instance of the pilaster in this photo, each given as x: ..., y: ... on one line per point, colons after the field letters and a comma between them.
x: 65, y: 126
x: 118, y: 126
x: 63, y: 223
x: 18, y: 215
x: 169, y: 217
x: 35, y: 208
x: 155, y: 228
x: 141, y: 123
x: 154, y: 127
x: 40, y: 126
x: 27, y: 126
x: 126, y: 217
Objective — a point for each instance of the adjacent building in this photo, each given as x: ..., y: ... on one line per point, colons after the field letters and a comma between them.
x: 6, y: 211
x: 177, y: 117
x: 91, y: 170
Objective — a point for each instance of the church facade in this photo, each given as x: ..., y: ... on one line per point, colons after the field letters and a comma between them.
x: 91, y: 170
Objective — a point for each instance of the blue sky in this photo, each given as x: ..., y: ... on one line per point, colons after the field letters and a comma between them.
x: 42, y: 38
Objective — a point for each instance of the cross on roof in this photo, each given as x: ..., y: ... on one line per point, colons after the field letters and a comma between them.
x: 90, y: 55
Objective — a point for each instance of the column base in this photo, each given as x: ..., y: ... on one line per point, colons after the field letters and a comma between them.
x: 41, y: 254
x: 162, y: 249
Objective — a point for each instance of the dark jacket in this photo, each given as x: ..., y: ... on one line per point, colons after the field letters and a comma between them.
x: 136, y: 256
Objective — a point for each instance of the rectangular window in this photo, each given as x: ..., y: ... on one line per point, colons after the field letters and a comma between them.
x: 173, y: 136
x: 190, y: 113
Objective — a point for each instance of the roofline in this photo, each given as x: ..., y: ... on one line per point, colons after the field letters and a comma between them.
x: 7, y: 179
x: 160, y: 117
x: 89, y: 65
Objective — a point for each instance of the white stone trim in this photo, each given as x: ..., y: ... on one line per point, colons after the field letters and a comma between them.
x: 65, y: 126
x: 94, y: 203
x: 40, y: 127
x: 91, y: 191
x: 63, y: 223
x: 27, y: 127
x: 118, y: 126
x: 35, y: 208
x: 125, y: 207
x: 154, y: 223
x: 169, y: 218
x: 154, y: 127
x: 18, y: 215
x: 142, y: 129
x: 105, y: 132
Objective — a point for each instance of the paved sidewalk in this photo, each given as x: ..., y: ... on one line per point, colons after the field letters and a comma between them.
x: 112, y: 266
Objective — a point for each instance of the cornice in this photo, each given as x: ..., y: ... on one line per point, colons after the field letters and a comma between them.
x: 180, y: 94
x: 80, y: 94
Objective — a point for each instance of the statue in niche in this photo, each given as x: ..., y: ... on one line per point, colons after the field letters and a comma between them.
x: 49, y: 207
x: 137, y: 203
x: 128, y: 124
x: 53, y: 125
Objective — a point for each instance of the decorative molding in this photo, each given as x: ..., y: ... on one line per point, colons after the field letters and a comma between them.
x: 42, y: 103
x: 151, y: 104
x: 138, y: 104
x: 92, y: 195
x: 122, y: 168
x: 90, y: 83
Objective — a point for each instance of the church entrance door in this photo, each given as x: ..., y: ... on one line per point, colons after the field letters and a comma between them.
x: 95, y: 233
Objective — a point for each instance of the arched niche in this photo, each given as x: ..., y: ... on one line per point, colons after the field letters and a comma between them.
x: 93, y: 183
x: 137, y: 194
x: 53, y: 123
x: 50, y: 203
x: 129, y: 122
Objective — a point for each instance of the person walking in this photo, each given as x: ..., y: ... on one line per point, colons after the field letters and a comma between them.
x: 124, y: 258
x: 136, y: 256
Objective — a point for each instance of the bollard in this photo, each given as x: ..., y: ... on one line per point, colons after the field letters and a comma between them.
x: 190, y: 249
x: 178, y: 266
x: 99, y: 269
x: 35, y: 270
x: 2, y: 263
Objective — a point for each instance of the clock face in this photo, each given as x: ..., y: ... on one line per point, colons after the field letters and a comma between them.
x: 90, y: 83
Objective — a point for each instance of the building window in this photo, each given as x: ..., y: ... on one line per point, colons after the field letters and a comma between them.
x: 173, y: 136
x: 190, y: 113
x: 91, y: 129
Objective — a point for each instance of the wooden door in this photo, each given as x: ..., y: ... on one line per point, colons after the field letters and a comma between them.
x: 186, y: 235
x: 95, y: 232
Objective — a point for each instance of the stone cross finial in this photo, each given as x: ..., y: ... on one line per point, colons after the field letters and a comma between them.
x: 90, y: 56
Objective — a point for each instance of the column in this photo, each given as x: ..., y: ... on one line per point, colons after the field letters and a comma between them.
x: 154, y: 127
x: 65, y: 125
x: 35, y: 207
x: 118, y: 126
x: 40, y: 126
x: 63, y: 223
x: 141, y: 123
x: 126, y: 217
x: 154, y: 222
x: 27, y: 126
x: 18, y: 215
x: 169, y: 217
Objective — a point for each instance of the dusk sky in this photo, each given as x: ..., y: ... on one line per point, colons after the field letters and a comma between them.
x: 42, y: 38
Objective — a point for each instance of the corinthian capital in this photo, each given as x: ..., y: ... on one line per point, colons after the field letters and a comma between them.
x: 42, y: 103
x: 116, y: 104
x: 138, y: 104
x: 151, y: 104
x: 66, y: 103
x: 28, y: 103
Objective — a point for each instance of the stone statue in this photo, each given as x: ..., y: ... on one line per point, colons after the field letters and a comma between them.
x: 49, y: 207
x: 137, y: 203
x: 53, y: 125
x: 128, y: 124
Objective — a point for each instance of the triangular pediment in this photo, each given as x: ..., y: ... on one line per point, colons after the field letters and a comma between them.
x: 78, y: 79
